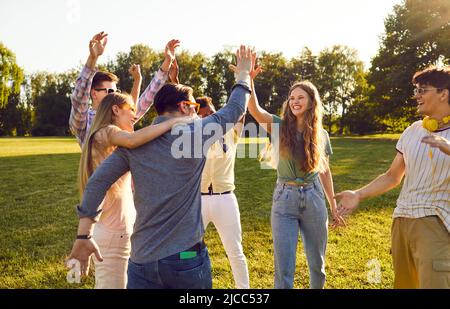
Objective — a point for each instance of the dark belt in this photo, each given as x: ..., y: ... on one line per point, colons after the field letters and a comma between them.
x: 188, y: 253
x: 214, y: 193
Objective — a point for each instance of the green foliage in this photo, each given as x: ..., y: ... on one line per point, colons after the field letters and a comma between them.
x: 11, y: 75
x: 219, y: 77
x: 51, y: 102
x: 341, y: 76
x: 417, y: 34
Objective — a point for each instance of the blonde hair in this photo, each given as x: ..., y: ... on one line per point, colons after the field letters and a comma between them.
x: 103, y: 118
x: 314, y: 147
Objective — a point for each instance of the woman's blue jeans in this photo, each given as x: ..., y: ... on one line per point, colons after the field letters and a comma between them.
x: 299, y: 209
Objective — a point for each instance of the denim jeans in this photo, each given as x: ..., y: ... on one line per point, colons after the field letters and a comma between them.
x: 301, y: 209
x: 172, y: 273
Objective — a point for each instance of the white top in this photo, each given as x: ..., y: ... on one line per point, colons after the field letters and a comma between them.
x: 426, y: 189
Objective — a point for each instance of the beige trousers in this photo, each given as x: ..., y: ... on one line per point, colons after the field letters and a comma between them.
x: 115, y: 248
x: 421, y: 253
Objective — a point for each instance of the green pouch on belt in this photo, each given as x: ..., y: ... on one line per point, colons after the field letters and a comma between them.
x: 188, y: 255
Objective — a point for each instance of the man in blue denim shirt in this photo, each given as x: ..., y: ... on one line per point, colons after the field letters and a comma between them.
x: 167, y: 250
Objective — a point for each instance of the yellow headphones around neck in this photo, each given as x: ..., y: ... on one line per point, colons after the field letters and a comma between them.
x: 432, y: 124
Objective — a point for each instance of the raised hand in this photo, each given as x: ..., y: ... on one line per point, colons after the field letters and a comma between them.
x: 255, y: 68
x: 135, y: 72
x: 348, y: 201
x: 243, y: 59
x: 169, y: 52
x: 97, y: 44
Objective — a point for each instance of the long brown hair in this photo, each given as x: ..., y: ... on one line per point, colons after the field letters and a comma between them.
x: 103, y: 118
x: 312, y: 133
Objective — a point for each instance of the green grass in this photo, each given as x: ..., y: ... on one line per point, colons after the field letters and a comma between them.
x: 38, y: 222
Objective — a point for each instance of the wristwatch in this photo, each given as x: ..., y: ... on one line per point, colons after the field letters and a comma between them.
x: 84, y: 236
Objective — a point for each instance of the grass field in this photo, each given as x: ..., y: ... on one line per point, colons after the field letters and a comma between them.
x: 38, y: 220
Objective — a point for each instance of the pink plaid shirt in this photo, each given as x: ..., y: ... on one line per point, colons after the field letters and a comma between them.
x: 82, y: 114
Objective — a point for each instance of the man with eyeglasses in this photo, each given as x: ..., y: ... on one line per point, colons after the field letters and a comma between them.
x: 167, y: 248
x: 421, y: 226
x: 95, y: 85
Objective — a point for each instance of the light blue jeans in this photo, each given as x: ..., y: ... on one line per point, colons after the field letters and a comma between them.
x: 301, y: 209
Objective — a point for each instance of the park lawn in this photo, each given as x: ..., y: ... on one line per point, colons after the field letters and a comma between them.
x: 38, y: 223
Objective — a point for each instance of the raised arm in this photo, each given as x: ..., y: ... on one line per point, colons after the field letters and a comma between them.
x: 229, y: 115
x: 146, y: 99
x: 259, y: 113
x: 135, y: 72
x: 81, y: 93
x: 349, y: 200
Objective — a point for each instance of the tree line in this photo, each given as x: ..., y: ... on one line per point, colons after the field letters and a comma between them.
x: 356, y: 100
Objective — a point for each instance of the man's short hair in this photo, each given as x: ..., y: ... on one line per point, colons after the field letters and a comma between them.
x: 435, y: 77
x: 168, y: 97
x: 101, y: 77
x: 204, y: 101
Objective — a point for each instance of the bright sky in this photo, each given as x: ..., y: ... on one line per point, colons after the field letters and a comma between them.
x: 53, y: 35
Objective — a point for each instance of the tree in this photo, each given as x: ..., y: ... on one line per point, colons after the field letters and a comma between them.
x: 304, y: 67
x: 51, y: 102
x: 193, y: 68
x: 272, y: 85
x: 340, y: 71
x: 417, y: 34
x: 11, y: 75
x: 219, y: 78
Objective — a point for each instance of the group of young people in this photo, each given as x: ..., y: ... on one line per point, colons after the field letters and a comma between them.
x: 144, y: 210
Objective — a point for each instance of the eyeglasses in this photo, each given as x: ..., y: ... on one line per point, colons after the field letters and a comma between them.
x: 108, y: 90
x: 423, y: 90
x: 191, y: 105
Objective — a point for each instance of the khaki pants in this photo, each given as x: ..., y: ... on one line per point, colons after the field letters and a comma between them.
x: 421, y: 253
x: 115, y: 248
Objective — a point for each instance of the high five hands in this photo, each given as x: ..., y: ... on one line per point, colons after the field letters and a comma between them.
x: 255, y: 68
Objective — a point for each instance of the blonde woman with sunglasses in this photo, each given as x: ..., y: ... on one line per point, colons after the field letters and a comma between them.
x: 113, y: 127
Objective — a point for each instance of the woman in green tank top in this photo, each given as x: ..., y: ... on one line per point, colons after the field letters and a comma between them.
x: 303, y: 174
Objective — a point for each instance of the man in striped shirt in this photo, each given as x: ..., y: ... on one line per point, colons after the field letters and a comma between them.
x: 421, y: 226
x: 95, y: 84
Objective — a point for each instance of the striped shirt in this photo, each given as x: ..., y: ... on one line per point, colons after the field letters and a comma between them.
x: 426, y: 189
x: 82, y: 114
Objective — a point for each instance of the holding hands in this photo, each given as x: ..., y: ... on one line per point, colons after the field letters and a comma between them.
x: 348, y: 202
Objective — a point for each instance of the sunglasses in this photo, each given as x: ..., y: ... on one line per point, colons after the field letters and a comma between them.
x: 423, y: 90
x: 108, y: 90
x: 191, y: 105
